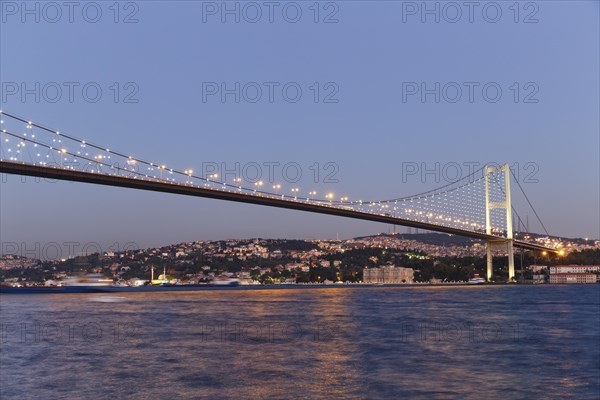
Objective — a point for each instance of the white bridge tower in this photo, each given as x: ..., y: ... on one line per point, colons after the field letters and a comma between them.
x: 505, y: 205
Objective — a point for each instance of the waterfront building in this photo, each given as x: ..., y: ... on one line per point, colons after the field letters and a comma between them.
x: 573, y: 268
x: 137, y: 282
x: 576, y: 277
x: 388, y: 274
x: 537, y: 268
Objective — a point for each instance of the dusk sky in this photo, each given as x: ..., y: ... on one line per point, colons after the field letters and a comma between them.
x: 363, y: 118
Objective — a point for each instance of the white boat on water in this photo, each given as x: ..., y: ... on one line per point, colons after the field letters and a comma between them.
x: 476, y: 280
x: 225, y: 282
x: 88, y: 280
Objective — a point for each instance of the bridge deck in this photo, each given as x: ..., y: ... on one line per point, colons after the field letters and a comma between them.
x: 168, y: 187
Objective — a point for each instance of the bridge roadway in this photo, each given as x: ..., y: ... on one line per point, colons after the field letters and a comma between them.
x: 27, y: 169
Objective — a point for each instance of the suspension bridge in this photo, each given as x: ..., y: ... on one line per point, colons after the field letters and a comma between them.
x: 477, y: 206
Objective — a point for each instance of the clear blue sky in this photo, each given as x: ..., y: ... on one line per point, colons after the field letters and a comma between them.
x: 369, y: 55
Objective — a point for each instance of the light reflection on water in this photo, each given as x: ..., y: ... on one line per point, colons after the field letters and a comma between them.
x: 440, y: 342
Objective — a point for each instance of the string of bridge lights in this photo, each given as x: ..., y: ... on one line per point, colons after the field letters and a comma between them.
x: 455, y: 204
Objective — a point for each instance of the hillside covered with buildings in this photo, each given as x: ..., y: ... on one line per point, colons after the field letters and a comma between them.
x: 427, y: 257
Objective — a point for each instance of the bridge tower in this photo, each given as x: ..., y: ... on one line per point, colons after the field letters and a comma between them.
x: 507, y: 207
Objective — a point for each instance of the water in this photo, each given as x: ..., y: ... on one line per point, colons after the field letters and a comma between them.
x: 504, y: 342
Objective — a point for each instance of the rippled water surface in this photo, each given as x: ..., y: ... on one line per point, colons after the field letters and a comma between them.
x: 503, y: 342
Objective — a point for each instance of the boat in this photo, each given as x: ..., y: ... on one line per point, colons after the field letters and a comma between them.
x: 475, y: 280
x: 106, y: 289
x: 55, y: 289
x: 225, y: 282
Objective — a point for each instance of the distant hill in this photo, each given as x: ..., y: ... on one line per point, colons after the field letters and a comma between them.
x: 444, y: 239
x: 440, y: 239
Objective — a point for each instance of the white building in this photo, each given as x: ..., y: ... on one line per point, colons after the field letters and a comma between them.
x: 574, y: 269
x: 388, y: 274
x: 137, y: 282
x: 577, y: 277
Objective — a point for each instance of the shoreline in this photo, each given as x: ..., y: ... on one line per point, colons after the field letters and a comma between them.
x: 193, y: 288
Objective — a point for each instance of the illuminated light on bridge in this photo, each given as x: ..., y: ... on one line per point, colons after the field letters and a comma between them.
x: 475, y: 206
